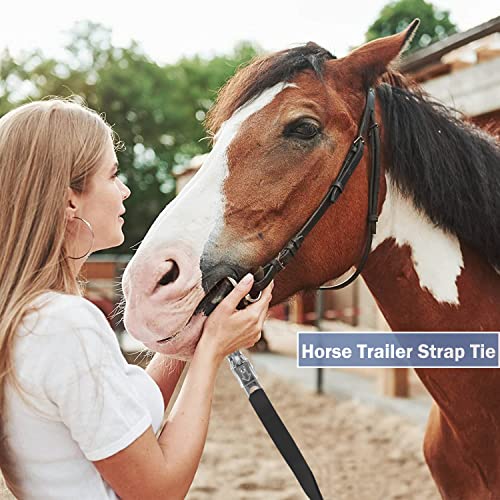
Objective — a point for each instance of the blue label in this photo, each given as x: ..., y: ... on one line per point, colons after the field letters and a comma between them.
x: 397, y: 349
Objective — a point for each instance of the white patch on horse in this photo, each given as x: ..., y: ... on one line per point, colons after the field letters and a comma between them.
x: 200, y: 205
x: 436, y: 255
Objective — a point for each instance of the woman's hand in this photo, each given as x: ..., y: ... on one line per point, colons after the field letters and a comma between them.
x: 228, y: 329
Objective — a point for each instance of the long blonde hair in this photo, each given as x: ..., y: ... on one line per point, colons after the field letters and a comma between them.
x: 45, y: 147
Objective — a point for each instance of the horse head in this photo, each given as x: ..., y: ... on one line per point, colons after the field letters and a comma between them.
x: 282, y: 127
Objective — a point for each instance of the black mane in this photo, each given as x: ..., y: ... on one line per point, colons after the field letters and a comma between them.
x: 285, y: 65
x: 450, y: 168
x: 263, y: 73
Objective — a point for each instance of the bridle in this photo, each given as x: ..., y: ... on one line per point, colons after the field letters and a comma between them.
x: 239, y: 364
x: 367, y: 128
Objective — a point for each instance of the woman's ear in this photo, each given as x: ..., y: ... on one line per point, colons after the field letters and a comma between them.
x: 72, y: 204
x: 373, y: 59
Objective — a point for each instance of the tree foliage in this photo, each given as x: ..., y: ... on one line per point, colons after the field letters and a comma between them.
x: 435, y: 24
x: 157, y: 111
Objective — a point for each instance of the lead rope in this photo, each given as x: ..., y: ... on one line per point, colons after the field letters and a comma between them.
x: 245, y: 373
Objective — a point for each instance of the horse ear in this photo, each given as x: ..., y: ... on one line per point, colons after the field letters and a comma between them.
x: 372, y: 59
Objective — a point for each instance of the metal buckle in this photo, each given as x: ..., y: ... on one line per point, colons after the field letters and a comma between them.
x: 278, y: 260
x: 250, y: 299
x: 244, y: 372
x: 358, y: 140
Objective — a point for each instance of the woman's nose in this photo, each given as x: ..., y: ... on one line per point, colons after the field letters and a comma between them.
x: 125, y: 191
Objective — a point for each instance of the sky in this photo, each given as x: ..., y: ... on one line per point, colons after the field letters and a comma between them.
x: 169, y: 30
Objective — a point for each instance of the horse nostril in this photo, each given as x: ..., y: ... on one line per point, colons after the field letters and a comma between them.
x: 171, y: 275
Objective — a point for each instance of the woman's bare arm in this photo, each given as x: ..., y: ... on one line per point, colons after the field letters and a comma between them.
x: 165, y: 468
x: 153, y: 468
x: 165, y: 372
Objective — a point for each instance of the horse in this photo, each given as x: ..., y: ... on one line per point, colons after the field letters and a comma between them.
x: 282, y: 127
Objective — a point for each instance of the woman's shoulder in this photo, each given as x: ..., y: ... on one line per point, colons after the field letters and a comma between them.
x: 64, y: 324
x: 55, y: 311
x: 58, y: 301
x: 62, y: 330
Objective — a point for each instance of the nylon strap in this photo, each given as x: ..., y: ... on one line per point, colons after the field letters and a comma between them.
x: 285, y: 443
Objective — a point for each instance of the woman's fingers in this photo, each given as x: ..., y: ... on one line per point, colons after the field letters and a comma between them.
x: 262, y: 305
x: 241, y: 289
x: 234, y: 328
x: 258, y: 310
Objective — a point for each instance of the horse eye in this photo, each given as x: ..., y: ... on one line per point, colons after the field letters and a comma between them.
x: 303, y: 130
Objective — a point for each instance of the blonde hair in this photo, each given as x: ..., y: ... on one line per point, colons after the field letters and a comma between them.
x: 45, y: 147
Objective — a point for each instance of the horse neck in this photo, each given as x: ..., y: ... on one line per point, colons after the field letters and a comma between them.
x: 425, y: 279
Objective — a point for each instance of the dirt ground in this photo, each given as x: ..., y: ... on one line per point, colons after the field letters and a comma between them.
x: 356, y: 452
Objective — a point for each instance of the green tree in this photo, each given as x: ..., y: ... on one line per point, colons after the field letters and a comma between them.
x: 435, y: 24
x: 157, y: 111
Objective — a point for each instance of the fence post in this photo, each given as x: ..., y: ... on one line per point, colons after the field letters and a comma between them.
x: 317, y: 324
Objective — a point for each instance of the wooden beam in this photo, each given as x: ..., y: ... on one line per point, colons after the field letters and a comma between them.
x: 296, y: 309
x: 434, y: 52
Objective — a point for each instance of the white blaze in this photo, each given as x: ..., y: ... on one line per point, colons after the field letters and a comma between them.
x: 436, y: 255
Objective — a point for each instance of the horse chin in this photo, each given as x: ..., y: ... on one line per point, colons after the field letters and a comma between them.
x: 183, y: 344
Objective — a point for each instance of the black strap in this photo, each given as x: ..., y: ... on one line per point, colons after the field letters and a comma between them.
x: 372, y: 218
x: 285, y: 443
x: 368, y: 126
x: 245, y: 373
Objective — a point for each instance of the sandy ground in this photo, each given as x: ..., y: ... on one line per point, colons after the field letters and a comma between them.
x: 355, y: 451
x: 4, y: 493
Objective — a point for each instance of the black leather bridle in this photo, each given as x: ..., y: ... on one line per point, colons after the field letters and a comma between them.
x: 240, y: 365
x: 368, y: 128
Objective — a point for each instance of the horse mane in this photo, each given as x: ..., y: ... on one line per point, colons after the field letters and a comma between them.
x: 263, y: 73
x: 446, y: 165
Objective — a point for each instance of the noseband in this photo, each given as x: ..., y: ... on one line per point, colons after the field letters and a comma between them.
x: 368, y: 128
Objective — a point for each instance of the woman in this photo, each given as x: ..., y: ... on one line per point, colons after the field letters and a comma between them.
x: 76, y: 420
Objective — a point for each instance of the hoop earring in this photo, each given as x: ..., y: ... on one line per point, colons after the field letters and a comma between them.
x: 89, y: 227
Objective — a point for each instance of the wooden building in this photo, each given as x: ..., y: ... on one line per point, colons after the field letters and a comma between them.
x: 463, y: 71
